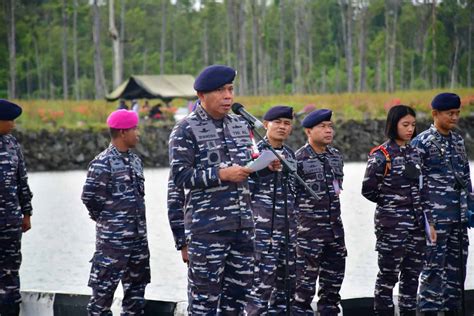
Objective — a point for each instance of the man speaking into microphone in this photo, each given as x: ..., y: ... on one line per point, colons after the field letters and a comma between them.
x: 208, y: 152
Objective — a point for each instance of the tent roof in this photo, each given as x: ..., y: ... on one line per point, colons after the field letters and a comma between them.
x: 165, y: 87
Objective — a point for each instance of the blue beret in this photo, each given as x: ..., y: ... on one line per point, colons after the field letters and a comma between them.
x: 8, y: 110
x: 214, y: 77
x: 446, y: 101
x: 316, y: 117
x: 279, y: 111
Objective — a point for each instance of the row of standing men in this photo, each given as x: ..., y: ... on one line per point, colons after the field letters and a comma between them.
x: 256, y: 242
x: 216, y: 204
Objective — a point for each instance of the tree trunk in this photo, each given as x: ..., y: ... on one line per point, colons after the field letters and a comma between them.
x: 255, y: 35
x: 28, y: 79
x: 65, y: 79
x: 122, y: 39
x: 99, y: 78
x: 242, y: 57
x: 346, y: 15
x: 115, y: 37
x: 434, y: 79
x: 297, y: 82
x: 391, y: 15
x: 454, y: 65
x: 378, y: 75
x: 323, y: 80
x: 263, y: 57
x: 469, y: 45
x: 10, y: 13
x: 205, y: 43
x: 39, y: 72
x: 363, y: 49
x: 402, y: 69
x: 163, y: 35
x: 230, y: 32
x: 77, y: 95
x: 281, y: 45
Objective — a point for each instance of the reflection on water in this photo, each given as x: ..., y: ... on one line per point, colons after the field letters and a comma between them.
x: 56, y: 252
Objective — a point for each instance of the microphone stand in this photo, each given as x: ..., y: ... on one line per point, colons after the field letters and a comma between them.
x: 287, y: 170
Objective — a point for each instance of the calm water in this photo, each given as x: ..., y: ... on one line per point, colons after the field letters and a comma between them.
x: 56, y: 252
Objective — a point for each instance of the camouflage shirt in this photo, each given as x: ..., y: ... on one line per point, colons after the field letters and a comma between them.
x: 397, y: 193
x: 199, y: 146
x: 114, y: 194
x: 324, y: 174
x: 440, y: 192
x: 15, y: 194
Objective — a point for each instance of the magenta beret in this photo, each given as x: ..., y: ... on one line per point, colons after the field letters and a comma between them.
x: 122, y: 119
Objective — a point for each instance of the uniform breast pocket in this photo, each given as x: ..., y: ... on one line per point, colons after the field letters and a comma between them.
x: 213, y: 157
x: 121, y: 182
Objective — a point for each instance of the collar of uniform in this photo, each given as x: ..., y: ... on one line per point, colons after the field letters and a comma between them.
x: 392, y: 144
x: 115, y: 151
x: 313, y: 154
x: 438, y: 135
x: 203, y: 115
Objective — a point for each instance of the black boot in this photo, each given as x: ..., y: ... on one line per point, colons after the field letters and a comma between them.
x: 10, y: 309
x: 407, y: 312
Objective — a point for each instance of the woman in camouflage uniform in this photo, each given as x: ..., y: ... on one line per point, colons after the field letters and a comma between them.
x: 392, y: 180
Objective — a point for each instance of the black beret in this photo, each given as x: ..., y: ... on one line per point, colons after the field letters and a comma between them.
x: 279, y: 111
x: 8, y: 110
x: 446, y: 101
x: 214, y: 77
x: 316, y: 117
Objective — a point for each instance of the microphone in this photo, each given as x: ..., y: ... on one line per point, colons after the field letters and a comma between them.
x: 238, y: 108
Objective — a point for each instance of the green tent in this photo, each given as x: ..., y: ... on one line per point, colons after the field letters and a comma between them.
x: 164, y: 87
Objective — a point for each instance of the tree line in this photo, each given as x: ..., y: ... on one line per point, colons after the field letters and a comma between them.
x: 82, y: 49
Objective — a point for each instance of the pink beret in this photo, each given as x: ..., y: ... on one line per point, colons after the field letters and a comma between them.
x: 122, y: 119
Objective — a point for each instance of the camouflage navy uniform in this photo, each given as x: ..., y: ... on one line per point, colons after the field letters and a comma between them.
x: 15, y: 202
x: 399, y: 223
x: 440, y: 279
x: 114, y: 195
x: 321, y: 249
x: 268, y: 296
x: 218, y: 219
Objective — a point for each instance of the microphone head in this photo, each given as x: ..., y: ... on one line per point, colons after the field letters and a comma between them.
x: 236, y: 108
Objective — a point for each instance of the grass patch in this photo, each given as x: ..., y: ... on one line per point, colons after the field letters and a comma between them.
x: 86, y: 114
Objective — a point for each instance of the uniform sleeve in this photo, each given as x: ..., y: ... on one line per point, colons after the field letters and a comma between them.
x: 176, y: 204
x: 24, y: 192
x: 183, y: 168
x: 94, y: 192
x: 425, y: 191
x: 374, y: 174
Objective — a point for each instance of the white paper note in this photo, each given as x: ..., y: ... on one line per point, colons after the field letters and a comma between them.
x: 265, y: 158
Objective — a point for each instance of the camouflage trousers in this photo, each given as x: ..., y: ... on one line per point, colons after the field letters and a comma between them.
x: 325, y: 260
x: 126, y: 260
x: 440, y: 286
x: 401, y: 254
x: 268, y: 295
x: 220, y: 272
x: 10, y: 260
